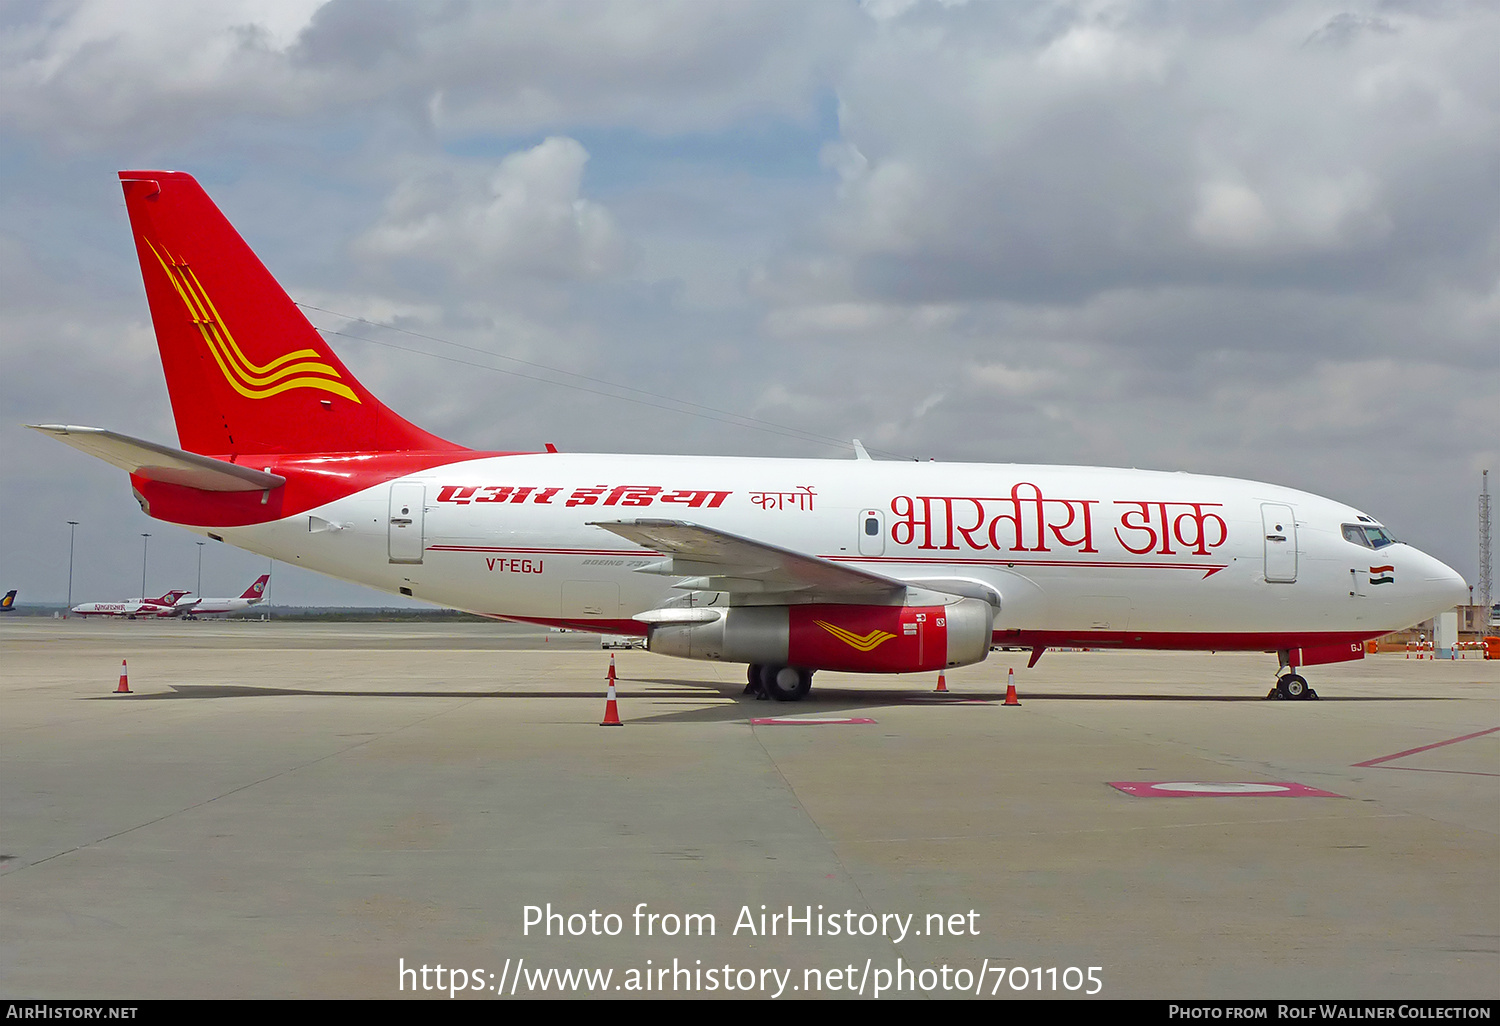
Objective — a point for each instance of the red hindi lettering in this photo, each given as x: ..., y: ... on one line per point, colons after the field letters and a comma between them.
x: 586, y: 496
x: 696, y: 498
x: 632, y: 495
x: 461, y: 494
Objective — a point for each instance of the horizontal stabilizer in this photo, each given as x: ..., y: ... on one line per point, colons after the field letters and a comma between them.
x: 161, y: 462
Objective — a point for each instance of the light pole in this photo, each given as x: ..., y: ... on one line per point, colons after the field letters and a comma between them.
x: 199, y: 592
x: 72, y: 526
x: 145, y: 541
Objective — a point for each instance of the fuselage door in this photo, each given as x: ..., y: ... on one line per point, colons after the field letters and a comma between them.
x: 406, y: 521
x: 871, y: 532
x: 1281, y: 542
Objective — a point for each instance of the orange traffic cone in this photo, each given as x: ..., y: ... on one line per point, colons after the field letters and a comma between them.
x: 611, y: 708
x: 942, y: 688
x: 124, y: 688
x: 1010, y: 689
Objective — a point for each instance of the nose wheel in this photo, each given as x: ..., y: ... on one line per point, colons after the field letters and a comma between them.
x: 1292, y: 687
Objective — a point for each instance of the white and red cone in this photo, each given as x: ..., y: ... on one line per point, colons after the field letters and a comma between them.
x: 124, y: 688
x: 611, y: 707
x: 1010, y: 688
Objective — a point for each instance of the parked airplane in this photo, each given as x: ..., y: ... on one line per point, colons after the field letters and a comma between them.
x: 787, y: 565
x: 192, y: 608
x: 8, y: 603
x: 133, y: 609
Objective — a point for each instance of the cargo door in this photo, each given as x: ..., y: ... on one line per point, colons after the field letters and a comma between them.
x: 405, y: 526
x: 1281, y: 542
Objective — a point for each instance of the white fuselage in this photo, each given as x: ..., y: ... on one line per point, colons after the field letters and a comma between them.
x: 214, y: 606
x: 1069, y: 549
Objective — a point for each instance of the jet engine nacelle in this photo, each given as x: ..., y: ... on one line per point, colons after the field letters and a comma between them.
x: 860, y: 639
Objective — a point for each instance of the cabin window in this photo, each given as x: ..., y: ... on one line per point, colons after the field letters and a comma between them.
x: 872, y: 526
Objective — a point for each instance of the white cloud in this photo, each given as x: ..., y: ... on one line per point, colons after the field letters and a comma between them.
x: 1009, y: 151
x: 1007, y: 380
x: 1243, y: 238
x: 1095, y: 51
x: 84, y: 73
x: 1230, y: 214
x: 839, y: 319
x: 527, y: 216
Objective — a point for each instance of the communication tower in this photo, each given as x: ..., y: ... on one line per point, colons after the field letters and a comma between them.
x: 1485, y: 594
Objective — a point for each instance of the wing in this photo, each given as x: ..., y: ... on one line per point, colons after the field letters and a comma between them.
x: 714, y: 560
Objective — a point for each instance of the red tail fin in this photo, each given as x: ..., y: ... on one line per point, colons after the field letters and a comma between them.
x: 258, y: 588
x: 246, y: 371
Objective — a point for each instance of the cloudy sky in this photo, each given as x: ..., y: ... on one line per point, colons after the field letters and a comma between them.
x: 1254, y: 239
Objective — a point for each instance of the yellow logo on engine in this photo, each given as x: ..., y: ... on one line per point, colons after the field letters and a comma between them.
x: 249, y: 379
x: 862, y: 642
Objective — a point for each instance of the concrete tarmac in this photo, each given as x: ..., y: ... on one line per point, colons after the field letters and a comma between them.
x: 303, y: 810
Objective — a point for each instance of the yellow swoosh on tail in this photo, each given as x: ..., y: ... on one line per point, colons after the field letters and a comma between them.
x: 249, y: 379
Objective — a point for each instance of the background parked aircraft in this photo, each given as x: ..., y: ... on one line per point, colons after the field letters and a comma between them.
x: 254, y: 595
x: 134, y: 608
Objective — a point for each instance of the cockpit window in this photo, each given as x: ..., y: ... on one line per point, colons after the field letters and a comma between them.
x: 1368, y: 535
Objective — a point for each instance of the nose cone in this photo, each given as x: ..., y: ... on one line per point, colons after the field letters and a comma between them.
x: 1441, y: 583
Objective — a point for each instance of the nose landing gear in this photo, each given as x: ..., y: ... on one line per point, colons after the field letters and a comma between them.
x: 1292, y: 687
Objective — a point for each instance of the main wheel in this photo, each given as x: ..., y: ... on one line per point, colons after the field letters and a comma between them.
x: 1293, y: 686
x: 752, y: 682
x: 786, y: 683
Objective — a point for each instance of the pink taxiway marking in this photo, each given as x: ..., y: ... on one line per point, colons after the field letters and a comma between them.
x: 1218, y: 789
x: 1377, y: 763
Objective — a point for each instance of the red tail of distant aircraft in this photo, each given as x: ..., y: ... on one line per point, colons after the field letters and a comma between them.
x: 789, y: 566
x: 252, y: 596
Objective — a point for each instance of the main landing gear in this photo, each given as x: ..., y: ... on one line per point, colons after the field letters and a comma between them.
x: 1292, y: 687
x: 783, y: 683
